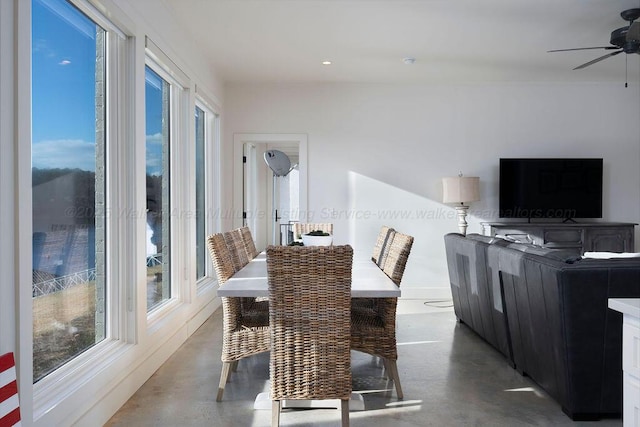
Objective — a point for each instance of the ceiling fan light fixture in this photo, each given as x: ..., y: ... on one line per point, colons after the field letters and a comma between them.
x: 626, y: 39
x: 630, y: 14
x: 619, y: 36
x: 631, y: 47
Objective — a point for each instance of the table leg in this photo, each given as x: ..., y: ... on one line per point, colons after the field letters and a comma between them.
x: 263, y: 401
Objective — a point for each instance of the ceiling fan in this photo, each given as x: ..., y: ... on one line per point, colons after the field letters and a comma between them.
x: 625, y: 39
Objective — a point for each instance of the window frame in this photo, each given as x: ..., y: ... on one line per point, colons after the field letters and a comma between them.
x: 211, y: 209
x: 70, y: 377
x: 180, y: 118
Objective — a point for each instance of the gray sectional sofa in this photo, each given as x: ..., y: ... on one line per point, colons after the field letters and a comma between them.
x: 546, y: 311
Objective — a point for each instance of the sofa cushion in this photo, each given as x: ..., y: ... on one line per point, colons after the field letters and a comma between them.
x: 490, y: 240
x: 563, y: 255
x: 609, y: 255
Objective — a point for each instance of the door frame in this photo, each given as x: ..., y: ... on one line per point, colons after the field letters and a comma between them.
x: 239, y: 139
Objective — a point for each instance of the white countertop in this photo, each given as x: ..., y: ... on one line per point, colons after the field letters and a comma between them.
x: 630, y: 306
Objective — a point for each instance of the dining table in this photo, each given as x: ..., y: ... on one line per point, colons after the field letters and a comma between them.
x: 367, y: 281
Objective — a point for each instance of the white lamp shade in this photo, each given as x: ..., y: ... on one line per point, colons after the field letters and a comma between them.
x: 460, y: 189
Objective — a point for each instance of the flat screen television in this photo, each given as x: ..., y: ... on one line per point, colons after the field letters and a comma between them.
x: 550, y: 188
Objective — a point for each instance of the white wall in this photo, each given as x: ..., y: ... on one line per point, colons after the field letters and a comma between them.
x: 377, y: 150
x: 151, y: 18
x: 371, y: 148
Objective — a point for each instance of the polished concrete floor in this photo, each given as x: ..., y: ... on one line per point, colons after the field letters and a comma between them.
x: 450, y: 377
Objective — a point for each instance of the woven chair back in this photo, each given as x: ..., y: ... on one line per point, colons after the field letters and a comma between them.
x: 382, y: 245
x: 221, y: 257
x: 396, y: 260
x: 248, y: 242
x: 309, y: 316
x: 300, y: 228
x: 235, y: 244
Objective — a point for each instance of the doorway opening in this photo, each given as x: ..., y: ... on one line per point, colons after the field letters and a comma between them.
x: 269, y: 204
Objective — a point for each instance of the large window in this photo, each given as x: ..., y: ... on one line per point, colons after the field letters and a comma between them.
x: 69, y: 185
x: 206, y: 140
x: 201, y: 247
x: 158, y: 109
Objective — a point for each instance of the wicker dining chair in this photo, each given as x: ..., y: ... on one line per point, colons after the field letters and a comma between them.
x: 245, y: 329
x: 380, y: 253
x: 397, y: 257
x: 300, y: 228
x: 373, y: 331
x: 248, y: 242
x: 310, y: 300
x: 234, y: 242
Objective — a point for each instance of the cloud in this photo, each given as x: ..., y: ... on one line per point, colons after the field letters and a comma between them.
x: 154, y: 164
x: 80, y: 154
x: 156, y: 138
x: 41, y: 46
x: 64, y: 153
x: 154, y: 154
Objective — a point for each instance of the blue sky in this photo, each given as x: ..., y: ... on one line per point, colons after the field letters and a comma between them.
x: 153, y: 121
x: 63, y: 91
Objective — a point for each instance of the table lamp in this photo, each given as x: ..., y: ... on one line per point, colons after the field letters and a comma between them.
x: 461, y: 190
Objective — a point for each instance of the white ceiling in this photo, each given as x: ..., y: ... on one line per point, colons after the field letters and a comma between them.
x: 453, y: 41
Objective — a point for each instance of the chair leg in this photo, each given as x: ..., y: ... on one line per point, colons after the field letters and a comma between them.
x: 275, y: 413
x: 345, y: 412
x: 234, y: 366
x: 393, y: 374
x: 224, y: 376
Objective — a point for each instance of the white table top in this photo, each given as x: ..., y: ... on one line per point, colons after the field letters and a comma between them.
x: 367, y: 281
x: 630, y: 306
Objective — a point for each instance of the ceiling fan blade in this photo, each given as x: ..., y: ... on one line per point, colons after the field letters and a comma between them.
x: 585, y: 48
x: 602, y: 58
x: 633, y: 34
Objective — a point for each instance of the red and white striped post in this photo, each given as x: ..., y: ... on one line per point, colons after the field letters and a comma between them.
x: 9, y: 402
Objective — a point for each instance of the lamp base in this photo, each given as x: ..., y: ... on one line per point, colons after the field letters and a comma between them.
x: 461, y: 211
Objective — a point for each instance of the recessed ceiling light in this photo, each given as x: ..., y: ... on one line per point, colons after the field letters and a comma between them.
x: 409, y: 60
x: 326, y: 62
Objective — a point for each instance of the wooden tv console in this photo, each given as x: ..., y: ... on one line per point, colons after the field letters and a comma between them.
x: 581, y: 236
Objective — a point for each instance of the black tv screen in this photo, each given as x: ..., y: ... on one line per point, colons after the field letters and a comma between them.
x: 550, y: 188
